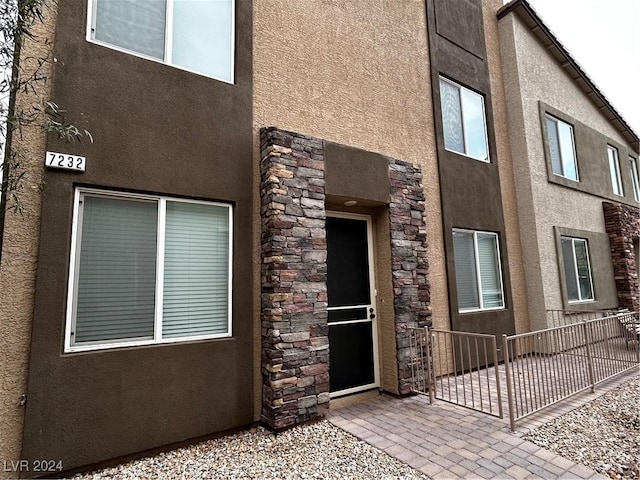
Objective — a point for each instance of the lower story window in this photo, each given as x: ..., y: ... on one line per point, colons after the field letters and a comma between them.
x: 147, y: 269
x: 478, y: 270
x: 577, y: 269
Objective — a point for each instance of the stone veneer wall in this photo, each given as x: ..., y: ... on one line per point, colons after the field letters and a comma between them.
x: 623, y: 226
x: 295, y: 344
x: 411, y: 299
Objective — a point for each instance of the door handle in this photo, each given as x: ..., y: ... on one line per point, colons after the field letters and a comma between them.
x: 371, y: 314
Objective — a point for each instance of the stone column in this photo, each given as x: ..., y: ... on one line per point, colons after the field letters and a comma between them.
x: 295, y: 343
x: 623, y: 226
x: 409, y: 261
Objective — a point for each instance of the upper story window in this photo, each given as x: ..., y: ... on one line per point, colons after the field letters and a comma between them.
x: 633, y: 165
x: 577, y: 269
x: 147, y: 269
x: 562, y: 148
x: 614, y: 170
x: 197, y: 35
x: 463, y: 121
x: 478, y: 270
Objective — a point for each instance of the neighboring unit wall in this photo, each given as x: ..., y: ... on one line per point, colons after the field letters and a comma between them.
x: 162, y: 130
x: 20, y: 242
x: 535, y: 82
x: 471, y: 189
x: 355, y: 73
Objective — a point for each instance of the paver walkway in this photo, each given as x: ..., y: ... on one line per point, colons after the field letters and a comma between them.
x: 446, y: 441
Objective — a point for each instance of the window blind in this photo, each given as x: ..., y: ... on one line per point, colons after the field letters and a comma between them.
x: 554, y: 146
x: 138, y: 26
x: 490, y: 281
x: 116, y: 270
x: 196, y: 266
x: 466, y: 274
x: 584, y: 272
x: 452, y: 117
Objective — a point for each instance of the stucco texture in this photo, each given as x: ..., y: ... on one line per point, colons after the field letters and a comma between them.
x: 20, y: 251
x: 355, y: 73
x: 507, y: 183
x: 532, y: 75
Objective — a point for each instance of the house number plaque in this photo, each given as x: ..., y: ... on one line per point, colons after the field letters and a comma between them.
x: 65, y: 161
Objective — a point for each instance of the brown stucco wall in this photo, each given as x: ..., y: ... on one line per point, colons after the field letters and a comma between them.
x: 20, y: 253
x: 470, y: 189
x: 354, y: 73
x: 503, y: 152
x: 161, y: 130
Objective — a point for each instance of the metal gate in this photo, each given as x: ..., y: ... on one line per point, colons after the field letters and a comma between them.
x: 457, y: 367
x: 538, y: 368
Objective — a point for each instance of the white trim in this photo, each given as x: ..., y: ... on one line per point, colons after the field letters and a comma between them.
x: 557, y: 121
x: 616, y: 183
x: 168, y: 44
x: 72, y: 289
x: 230, y: 275
x: 635, y: 181
x: 331, y: 309
x: 372, y: 298
x: 350, y: 322
x: 462, y: 117
x: 72, y: 280
x: 160, y: 248
x: 482, y: 308
x: 577, y: 274
x: 168, y: 32
x: 349, y: 391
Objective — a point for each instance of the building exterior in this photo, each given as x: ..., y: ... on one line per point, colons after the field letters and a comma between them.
x: 577, y: 181
x: 255, y: 230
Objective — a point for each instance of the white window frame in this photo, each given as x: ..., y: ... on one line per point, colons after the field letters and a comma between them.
x: 91, y: 24
x: 633, y: 166
x: 74, y: 264
x: 573, y: 148
x: 478, y: 276
x: 575, y: 268
x: 614, y: 171
x: 462, y: 113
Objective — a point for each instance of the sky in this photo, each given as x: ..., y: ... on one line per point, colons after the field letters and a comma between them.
x: 603, y: 37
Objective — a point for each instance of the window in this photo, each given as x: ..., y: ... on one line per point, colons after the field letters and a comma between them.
x: 577, y: 269
x: 197, y: 35
x: 633, y: 165
x: 463, y: 121
x: 478, y: 270
x: 562, y: 148
x: 147, y: 270
x: 614, y: 170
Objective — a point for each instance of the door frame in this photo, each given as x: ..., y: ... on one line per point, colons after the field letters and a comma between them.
x: 374, y: 302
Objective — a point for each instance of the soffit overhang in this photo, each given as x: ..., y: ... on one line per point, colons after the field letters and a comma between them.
x: 545, y: 36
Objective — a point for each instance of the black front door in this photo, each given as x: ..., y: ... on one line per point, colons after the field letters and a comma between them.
x: 352, y: 325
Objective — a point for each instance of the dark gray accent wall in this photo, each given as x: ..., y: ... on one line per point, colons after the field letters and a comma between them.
x: 470, y: 189
x: 357, y: 174
x: 604, y: 287
x: 593, y: 162
x: 161, y: 130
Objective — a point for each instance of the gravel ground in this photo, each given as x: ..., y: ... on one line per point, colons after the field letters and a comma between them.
x: 317, y: 451
x: 604, y: 434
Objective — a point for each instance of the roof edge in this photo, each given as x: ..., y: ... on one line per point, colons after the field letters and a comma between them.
x: 523, y: 7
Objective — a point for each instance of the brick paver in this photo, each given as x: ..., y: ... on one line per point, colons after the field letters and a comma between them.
x: 445, y: 441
